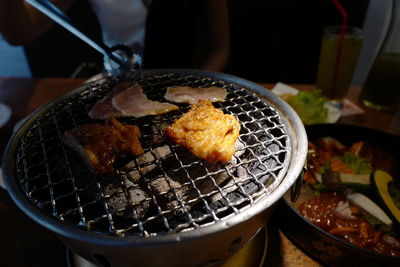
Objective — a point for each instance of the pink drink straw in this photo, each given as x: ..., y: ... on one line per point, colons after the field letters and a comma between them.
x: 340, y: 45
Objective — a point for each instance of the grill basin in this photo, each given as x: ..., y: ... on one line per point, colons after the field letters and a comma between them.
x: 197, y: 206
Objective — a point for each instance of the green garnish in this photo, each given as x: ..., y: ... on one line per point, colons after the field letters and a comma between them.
x: 310, y: 106
x: 357, y: 164
x: 319, y: 189
x: 324, y: 168
x: 376, y: 223
x: 394, y: 192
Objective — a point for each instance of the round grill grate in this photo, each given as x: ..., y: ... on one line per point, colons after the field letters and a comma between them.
x: 165, y: 190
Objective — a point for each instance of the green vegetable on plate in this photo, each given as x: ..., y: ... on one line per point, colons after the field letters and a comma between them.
x: 309, y: 105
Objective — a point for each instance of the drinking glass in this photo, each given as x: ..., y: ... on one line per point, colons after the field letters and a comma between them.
x: 382, y: 87
x: 333, y: 80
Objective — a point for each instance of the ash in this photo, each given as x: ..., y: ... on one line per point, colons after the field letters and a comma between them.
x: 170, y: 179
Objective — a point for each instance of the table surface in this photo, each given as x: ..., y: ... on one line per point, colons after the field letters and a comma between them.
x: 27, y: 242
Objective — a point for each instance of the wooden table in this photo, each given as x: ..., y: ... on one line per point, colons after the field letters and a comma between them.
x: 26, y: 242
x: 383, y: 121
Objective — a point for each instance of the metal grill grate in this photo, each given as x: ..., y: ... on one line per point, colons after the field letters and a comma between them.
x: 165, y: 190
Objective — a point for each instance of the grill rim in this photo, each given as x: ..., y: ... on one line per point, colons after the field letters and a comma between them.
x: 298, y: 145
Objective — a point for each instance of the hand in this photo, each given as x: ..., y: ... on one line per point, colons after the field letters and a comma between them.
x: 20, y: 23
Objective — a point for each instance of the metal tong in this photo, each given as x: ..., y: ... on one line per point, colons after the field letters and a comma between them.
x: 123, y: 57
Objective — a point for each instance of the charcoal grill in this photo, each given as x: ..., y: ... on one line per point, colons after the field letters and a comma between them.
x: 195, y: 219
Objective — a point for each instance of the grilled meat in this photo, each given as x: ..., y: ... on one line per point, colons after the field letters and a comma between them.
x: 133, y: 102
x: 206, y: 131
x: 127, y: 99
x: 100, y: 145
x: 187, y: 94
x: 104, y: 108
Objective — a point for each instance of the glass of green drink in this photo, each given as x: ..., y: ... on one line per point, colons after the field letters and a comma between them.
x: 335, y: 71
x: 382, y: 87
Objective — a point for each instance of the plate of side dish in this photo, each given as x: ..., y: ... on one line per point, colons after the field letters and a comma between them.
x: 349, y: 205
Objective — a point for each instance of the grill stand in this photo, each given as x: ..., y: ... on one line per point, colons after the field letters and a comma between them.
x: 199, y: 251
x: 253, y: 252
x: 42, y: 190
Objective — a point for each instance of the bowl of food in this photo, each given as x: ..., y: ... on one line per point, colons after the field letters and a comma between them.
x: 348, y: 209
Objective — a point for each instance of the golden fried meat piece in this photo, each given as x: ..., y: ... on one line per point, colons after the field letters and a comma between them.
x: 206, y: 131
x: 101, y: 145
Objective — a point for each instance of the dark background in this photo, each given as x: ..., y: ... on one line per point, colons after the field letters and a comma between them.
x: 271, y: 41
x: 280, y: 40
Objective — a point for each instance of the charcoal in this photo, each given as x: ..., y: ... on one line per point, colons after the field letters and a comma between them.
x: 119, y: 202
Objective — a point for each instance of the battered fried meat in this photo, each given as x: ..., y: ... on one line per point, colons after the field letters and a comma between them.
x: 101, y: 145
x: 206, y: 131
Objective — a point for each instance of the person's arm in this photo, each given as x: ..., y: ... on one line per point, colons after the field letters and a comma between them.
x: 21, y: 23
x: 217, y: 39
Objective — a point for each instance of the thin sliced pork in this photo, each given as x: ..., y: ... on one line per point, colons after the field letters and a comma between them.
x: 187, y: 94
x: 104, y: 109
x: 133, y: 102
x: 127, y: 99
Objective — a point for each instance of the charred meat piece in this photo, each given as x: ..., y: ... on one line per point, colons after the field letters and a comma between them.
x: 206, y: 131
x: 100, y: 145
x: 191, y: 95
